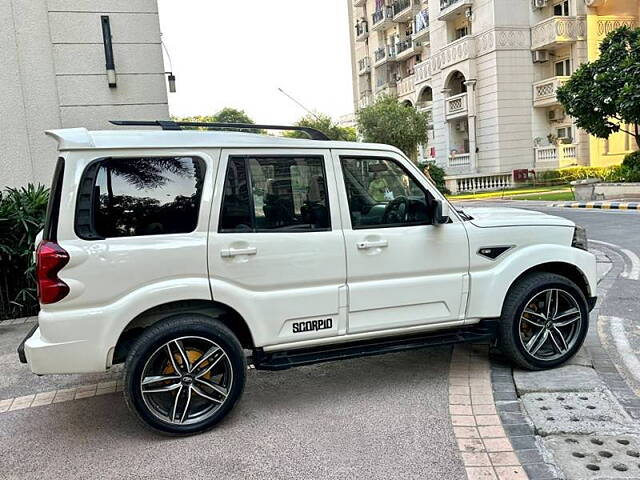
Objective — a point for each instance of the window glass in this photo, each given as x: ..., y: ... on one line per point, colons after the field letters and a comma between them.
x: 561, y: 9
x: 382, y: 194
x: 147, y: 196
x: 287, y: 194
x: 563, y: 68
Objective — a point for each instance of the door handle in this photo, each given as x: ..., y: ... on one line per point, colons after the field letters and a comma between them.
x: 372, y: 244
x: 234, y: 252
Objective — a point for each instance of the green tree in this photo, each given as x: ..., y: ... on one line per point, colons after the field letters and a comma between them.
x: 326, y: 125
x: 388, y: 121
x: 604, y: 95
x: 226, y: 115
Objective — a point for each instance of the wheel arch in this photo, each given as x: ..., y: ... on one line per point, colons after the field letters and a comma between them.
x: 564, y: 269
x: 208, y: 308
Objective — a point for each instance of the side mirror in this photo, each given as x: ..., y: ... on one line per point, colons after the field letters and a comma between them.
x: 440, y: 212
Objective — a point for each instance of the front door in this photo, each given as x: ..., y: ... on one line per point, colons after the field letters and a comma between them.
x: 402, y: 270
x: 276, y: 251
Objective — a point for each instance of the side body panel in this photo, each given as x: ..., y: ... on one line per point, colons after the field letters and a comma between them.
x: 289, y: 277
x: 531, y: 246
x: 113, y: 280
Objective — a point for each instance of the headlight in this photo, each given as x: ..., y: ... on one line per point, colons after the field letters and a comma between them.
x: 580, y: 238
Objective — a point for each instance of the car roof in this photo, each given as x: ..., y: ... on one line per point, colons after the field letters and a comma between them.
x: 83, y: 139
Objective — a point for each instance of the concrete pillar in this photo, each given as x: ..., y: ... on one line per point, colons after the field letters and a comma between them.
x: 471, y: 107
x: 447, y: 141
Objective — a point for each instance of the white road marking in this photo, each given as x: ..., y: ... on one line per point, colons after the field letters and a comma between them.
x: 629, y: 357
x: 631, y: 272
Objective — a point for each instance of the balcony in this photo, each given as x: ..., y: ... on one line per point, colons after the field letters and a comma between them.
x: 560, y: 156
x: 423, y: 71
x: 459, y: 160
x: 366, y: 99
x: 407, y: 48
x: 383, y: 55
x: 406, y: 86
x: 457, y: 51
x: 556, y: 31
x: 421, y: 26
x: 362, y: 31
x: 364, y: 66
x: 456, y: 106
x: 402, y: 10
x: 359, y: 3
x: 382, y: 19
x: 544, y: 92
x: 449, y: 9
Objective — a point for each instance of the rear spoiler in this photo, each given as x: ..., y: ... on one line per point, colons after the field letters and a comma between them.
x: 71, y: 138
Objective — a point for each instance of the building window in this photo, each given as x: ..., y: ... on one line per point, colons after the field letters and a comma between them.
x: 461, y: 32
x: 561, y: 9
x: 563, y: 68
x: 565, y: 133
x: 275, y: 194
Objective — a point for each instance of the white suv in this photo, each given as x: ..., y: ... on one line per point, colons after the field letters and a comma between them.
x: 188, y: 254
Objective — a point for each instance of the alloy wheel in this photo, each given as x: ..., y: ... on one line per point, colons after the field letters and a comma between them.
x: 550, y: 324
x: 186, y: 380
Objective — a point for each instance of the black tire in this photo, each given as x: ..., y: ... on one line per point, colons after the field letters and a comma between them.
x: 518, y: 298
x: 193, y: 333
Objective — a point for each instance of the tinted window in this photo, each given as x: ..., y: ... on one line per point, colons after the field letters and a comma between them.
x: 266, y: 194
x: 382, y: 194
x: 147, y: 196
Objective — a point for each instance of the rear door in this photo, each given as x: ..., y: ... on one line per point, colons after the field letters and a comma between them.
x: 276, y: 250
x: 402, y: 270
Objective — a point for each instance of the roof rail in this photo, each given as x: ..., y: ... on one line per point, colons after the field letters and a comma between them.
x: 171, y: 125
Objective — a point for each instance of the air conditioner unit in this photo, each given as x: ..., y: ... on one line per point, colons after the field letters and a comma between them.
x: 539, y: 3
x: 556, y: 115
x: 540, y: 56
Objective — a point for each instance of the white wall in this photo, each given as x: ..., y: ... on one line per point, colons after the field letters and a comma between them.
x: 54, y: 76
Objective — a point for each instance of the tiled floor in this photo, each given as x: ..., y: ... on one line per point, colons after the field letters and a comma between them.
x: 484, y: 447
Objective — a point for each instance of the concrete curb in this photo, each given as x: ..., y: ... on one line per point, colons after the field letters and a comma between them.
x: 600, y: 205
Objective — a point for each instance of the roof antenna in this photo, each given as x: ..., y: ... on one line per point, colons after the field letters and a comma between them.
x: 299, y: 104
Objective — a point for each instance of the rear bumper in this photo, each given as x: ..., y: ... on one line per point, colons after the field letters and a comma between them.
x: 21, y: 354
x: 46, y: 357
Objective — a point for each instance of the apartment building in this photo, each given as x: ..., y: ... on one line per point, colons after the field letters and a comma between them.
x: 486, y: 71
x: 73, y: 63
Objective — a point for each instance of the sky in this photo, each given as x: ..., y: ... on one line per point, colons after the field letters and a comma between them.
x: 237, y: 53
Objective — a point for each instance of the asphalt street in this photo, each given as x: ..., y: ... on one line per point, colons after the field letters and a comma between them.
x: 380, y: 417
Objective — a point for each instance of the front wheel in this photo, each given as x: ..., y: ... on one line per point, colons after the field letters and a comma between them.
x: 544, y: 321
x: 184, y: 374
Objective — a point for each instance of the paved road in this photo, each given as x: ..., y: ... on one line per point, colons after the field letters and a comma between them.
x: 383, y: 417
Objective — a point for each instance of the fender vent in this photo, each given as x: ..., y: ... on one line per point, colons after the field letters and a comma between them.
x: 493, y: 252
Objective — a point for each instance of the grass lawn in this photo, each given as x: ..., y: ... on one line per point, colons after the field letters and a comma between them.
x: 554, y: 193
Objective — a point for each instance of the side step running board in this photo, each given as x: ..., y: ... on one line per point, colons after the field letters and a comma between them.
x: 281, y: 360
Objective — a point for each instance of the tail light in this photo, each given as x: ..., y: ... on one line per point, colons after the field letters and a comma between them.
x: 50, y: 258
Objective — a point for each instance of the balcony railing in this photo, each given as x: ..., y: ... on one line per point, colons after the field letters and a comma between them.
x: 451, y: 8
x: 479, y: 183
x: 382, y: 18
x: 359, y: 3
x: 456, y: 106
x: 366, y: 99
x: 457, y: 51
x: 406, y: 48
x: 544, y: 92
x: 563, y: 155
x: 362, y: 30
x: 458, y: 160
x: 406, y: 86
x: 401, y: 10
x: 555, y: 31
x: 423, y: 71
x: 364, y: 65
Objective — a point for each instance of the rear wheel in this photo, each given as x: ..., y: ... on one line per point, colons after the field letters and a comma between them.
x: 184, y: 374
x: 544, y: 321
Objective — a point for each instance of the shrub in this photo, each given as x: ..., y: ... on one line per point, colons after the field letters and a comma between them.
x: 436, y: 174
x: 22, y: 213
x: 631, y: 165
x: 613, y: 174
